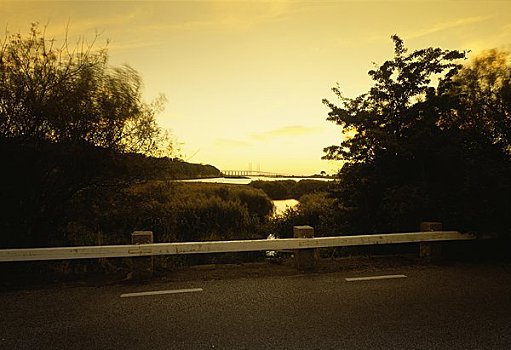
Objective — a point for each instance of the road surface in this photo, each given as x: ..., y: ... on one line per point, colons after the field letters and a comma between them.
x: 407, y: 307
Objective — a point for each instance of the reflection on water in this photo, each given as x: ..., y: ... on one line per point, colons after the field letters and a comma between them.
x: 247, y: 180
x: 282, y: 205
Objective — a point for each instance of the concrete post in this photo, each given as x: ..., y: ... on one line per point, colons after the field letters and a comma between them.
x: 142, y: 266
x: 305, y: 259
x: 430, y: 250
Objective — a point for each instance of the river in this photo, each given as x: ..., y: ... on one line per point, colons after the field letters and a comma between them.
x: 282, y: 205
x: 249, y: 179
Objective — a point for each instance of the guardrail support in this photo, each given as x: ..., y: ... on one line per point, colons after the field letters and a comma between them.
x: 430, y: 251
x: 305, y: 259
x: 142, y: 267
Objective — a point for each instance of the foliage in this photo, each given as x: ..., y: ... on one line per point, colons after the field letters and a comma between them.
x: 315, y: 209
x: 37, y: 181
x: 414, y: 151
x: 482, y: 92
x: 103, y: 214
x: 64, y: 94
x: 70, y: 122
x: 287, y: 189
x: 174, y: 211
x: 308, y: 186
x: 394, y: 111
x: 275, y: 189
x: 140, y: 167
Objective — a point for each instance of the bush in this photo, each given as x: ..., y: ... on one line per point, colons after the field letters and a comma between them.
x: 316, y: 210
x: 173, y: 211
x: 304, y: 187
x: 276, y: 190
x: 291, y: 189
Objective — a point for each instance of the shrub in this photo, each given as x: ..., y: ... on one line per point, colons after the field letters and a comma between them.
x: 287, y: 189
x: 173, y: 211
x: 316, y: 210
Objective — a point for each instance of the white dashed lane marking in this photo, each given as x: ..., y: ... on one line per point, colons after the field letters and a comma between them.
x: 370, y: 278
x: 161, y: 292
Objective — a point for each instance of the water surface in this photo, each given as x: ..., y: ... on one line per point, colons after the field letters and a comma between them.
x: 249, y: 179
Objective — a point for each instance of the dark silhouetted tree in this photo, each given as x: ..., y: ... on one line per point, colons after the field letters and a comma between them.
x: 69, y: 94
x: 414, y: 150
x: 482, y: 90
x: 67, y: 120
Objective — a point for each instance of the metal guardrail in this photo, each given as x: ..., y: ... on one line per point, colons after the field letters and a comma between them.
x: 133, y: 250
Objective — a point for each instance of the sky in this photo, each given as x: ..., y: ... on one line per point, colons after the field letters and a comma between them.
x: 245, y: 80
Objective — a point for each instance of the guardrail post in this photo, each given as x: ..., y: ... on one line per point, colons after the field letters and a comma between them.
x: 305, y: 259
x: 430, y: 250
x: 142, y: 266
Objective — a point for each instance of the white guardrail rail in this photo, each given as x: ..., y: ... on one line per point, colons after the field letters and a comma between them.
x: 133, y: 250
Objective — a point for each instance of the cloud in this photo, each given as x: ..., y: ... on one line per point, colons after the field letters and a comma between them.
x: 499, y: 40
x: 230, y: 143
x: 132, y: 23
x: 504, y: 35
x: 114, y: 46
x: 447, y: 25
x: 62, y: 20
x: 230, y: 15
x: 250, y: 140
x: 287, y: 131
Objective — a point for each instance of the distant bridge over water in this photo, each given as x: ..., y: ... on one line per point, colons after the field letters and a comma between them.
x: 249, y: 173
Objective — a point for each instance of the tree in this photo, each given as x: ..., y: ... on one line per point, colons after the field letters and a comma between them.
x: 385, y: 117
x: 418, y: 151
x: 392, y: 140
x: 481, y: 114
x: 67, y: 121
x: 482, y: 90
x: 70, y: 94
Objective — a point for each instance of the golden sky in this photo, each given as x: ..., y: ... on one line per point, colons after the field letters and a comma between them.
x: 245, y: 79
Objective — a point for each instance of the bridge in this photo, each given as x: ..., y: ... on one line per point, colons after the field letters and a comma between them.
x: 249, y: 173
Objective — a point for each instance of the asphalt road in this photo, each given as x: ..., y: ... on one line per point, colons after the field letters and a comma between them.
x: 434, y: 307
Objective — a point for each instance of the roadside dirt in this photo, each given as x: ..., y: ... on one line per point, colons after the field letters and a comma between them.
x: 286, y: 268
